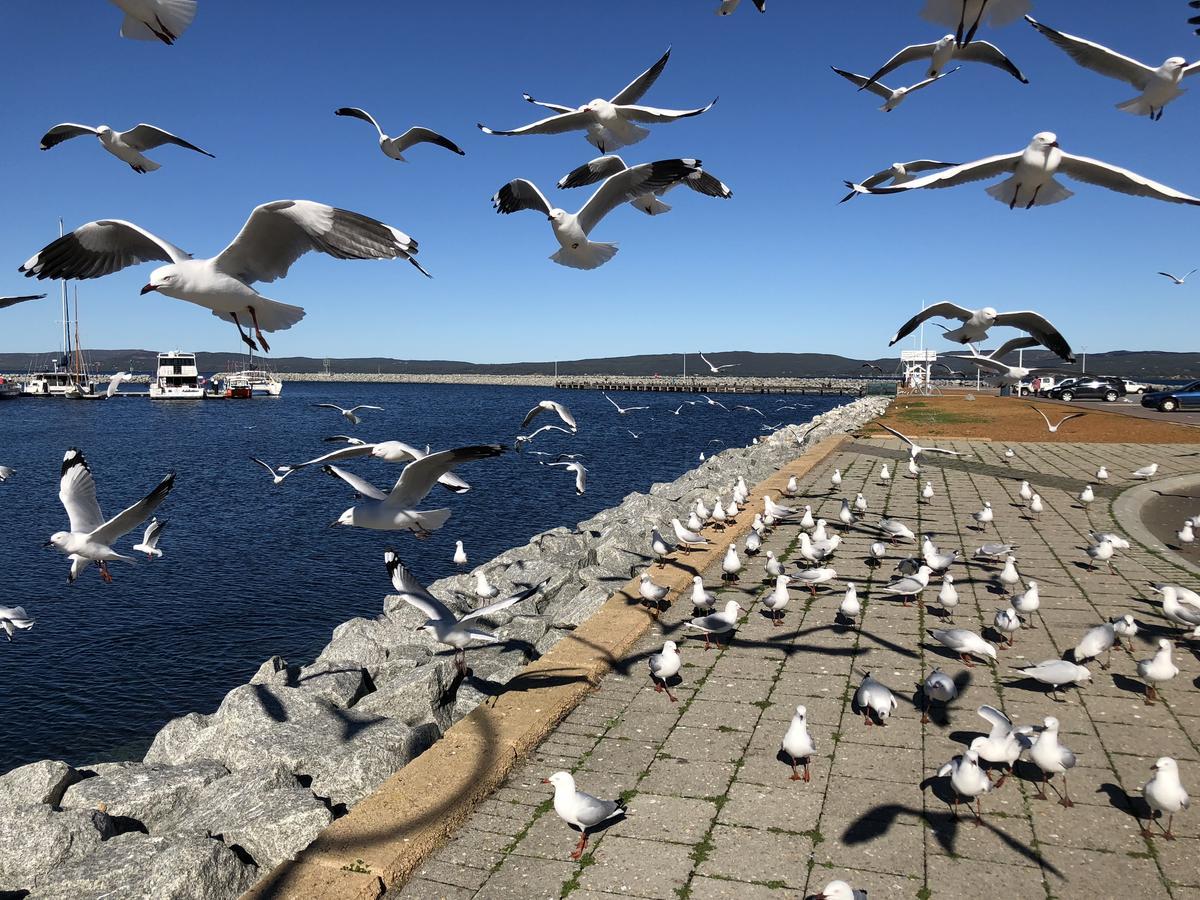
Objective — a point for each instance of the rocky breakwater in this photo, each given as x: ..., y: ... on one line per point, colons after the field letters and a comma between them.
x: 222, y: 798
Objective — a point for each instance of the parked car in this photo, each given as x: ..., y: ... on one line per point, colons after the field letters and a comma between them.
x: 1136, y: 387
x: 1186, y: 397
x: 1108, y: 389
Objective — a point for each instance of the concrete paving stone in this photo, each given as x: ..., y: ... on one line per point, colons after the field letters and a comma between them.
x: 1086, y: 873
x: 746, y: 690
x: 903, y: 730
x: 685, y: 778
x: 526, y: 878
x: 788, y: 806
x: 424, y: 889
x: 472, y: 839
x: 618, y: 756
x: 714, y: 713
x: 639, y: 868
x: 749, y: 854
x: 496, y: 824
x: 1096, y: 828
x: 950, y: 878
x: 761, y: 765
x: 644, y: 727
x: 1177, y: 859
x: 870, y: 844
x: 659, y: 817
x: 819, y: 710
x: 706, y: 744
x: 454, y: 874
x: 526, y: 796
x: 850, y: 802
x: 1001, y: 838
x: 548, y: 837
x: 1146, y: 743
x: 702, y: 888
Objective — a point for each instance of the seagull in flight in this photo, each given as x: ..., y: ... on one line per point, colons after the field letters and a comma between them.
x: 385, y: 451
x: 550, y: 406
x: 126, y: 146
x: 447, y: 627
x: 571, y: 230
x: 750, y: 409
x: 150, y: 537
x: 1175, y: 278
x: 622, y: 410
x: 1057, y: 425
x: 711, y: 402
x: 606, y: 166
x: 156, y: 20
x: 6, y: 302
x: 1007, y: 374
x: 273, y: 238
x: 716, y: 370
x: 977, y: 322
x: 892, y: 97
x: 350, y: 415
x: 1031, y: 174
x: 580, y: 473
x: 965, y: 15
x: 915, y: 449
x: 610, y: 124
x: 394, y: 147
x: 943, y: 52
x: 523, y: 439
x: 896, y: 173
x: 91, y: 536
x: 1158, y: 86
x: 396, y: 510
x: 276, y: 476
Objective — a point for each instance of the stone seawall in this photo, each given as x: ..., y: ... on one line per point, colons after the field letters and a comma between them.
x: 222, y: 798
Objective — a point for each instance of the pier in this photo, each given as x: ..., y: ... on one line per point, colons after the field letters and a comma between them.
x: 849, y: 387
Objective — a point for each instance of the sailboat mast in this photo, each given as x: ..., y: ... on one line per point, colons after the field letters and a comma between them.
x: 66, y: 310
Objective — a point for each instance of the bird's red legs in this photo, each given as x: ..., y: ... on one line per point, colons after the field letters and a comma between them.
x: 580, y: 847
x: 249, y: 341
x: 258, y: 331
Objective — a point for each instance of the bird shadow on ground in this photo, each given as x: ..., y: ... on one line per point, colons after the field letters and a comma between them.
x: 351, y: 725
x: 1120, y: 800
x: 269, y: 702
x: 1036, y: 687
x: 525, y: 682
x: 1127, y: 684
x: 877, y: 821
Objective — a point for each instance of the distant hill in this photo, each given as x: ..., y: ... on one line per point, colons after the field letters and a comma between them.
x: 1144, y: 364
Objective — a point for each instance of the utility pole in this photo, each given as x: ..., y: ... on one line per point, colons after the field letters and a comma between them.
x: 685, y: 365
x: 1083, y: 364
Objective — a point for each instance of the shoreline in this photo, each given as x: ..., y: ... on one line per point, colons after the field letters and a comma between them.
x: 306, y: 743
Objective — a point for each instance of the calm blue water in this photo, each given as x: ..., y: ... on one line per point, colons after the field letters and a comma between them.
x: 250, y: 569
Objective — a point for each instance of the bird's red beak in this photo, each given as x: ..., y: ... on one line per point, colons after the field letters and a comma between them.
x: 545, y: 781
x: 147, y: 289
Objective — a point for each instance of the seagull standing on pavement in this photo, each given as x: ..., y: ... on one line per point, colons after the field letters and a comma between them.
x: 984, y: 517
x: 968, y: 780
x: 797, y: 744
x: 1007, y: 623
x: 1164, y: 793
x: 581, y: 810
x: 1087, y: 495
x: 965, y: 643
x: 722, y: 622
x: 938, y: 687
x: 1053, y: 759
x: 1157, y: 670
x: 775, y: 601
x: 664, y: 666
x: 874, y: 696
x: 1145, y: 472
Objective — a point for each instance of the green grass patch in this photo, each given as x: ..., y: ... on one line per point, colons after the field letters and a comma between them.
x: 588, y: 859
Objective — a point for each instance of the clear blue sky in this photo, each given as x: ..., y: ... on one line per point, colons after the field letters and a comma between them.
x: 780, y: 267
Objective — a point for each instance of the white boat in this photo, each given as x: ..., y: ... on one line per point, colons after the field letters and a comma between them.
x: 263, y: 382
x: 177, y: 378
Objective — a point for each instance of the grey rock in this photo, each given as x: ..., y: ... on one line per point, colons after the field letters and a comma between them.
x: 142, y: 867
x: 413, y: 697
x: 176, y: 742
x: 151, y: 794
x: 523, y: 633
x: 39, y: 782
x: 36, y: 840
x: 350, y: 771
x: 264, y: 811
x: 578, y: 609
x: 365, y: 641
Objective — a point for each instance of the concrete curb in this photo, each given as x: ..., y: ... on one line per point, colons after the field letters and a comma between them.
x: 1127, y: 511
x: 387, y: 836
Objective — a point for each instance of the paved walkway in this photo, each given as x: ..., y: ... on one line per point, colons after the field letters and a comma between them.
x: 712, y: 812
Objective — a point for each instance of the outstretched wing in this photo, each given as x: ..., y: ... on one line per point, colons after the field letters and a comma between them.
x: 520, y: 194
x: 133, y: 516
x: 576, y: 120
x: 360, y: 486
x: 6, y: 302
x: 1096, y: 57
x: 943, y: 310
x: 77, y: 492
x: 592, y: 171
x: 355, y: 113
x: 1093, y: 171
x: 419, y: 476
x: 147, y: 137
x: 485, y: 611
x: 351, y: 452
x: 911, y: 53
x: 1001, y: 724
x: 279, y: 233
x: 412, y: 591
x: 654, y: 114
x: 634, y: 182
x: 875, y: 87
x: 979, y: 170
x: 64, y: 132
x: 634, y: 91
x: 990, y: 55
x: 100, y: 248
x: 1039, y: 327
x: 420, y: 135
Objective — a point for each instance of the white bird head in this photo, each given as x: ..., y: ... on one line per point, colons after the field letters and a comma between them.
x: 556, y: 215
x: 731, y: 606
x: 346, y: 518
x: 989, y: 313
x: 1051, y: 723
x: 1174, y: 62
x: 802, y: 713
x: 670, y: 647
x: 1044, y: 141
x: 104, y: 129
x: 58, y: 540
x: 1164, y: 644
x: 561, y: 780
x: 161, y: 279
x: 696, y: 579
x: 1164, y: 764
x: 943, y: 43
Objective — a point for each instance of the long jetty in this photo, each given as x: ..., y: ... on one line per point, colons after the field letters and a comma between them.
x: 851, y: 387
